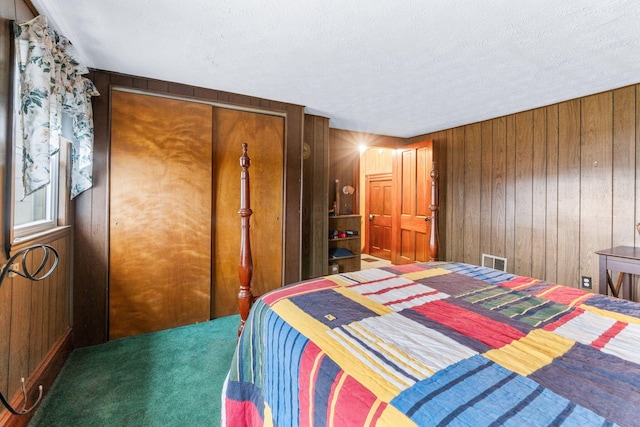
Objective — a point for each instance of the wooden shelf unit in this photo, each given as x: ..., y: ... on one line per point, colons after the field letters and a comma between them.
x: 352, y: 243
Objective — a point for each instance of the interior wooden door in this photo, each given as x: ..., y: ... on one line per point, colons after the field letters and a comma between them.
x: 264, y: 135
x: 160, y: 213
x: 379, y: 210
x: 412, y: 168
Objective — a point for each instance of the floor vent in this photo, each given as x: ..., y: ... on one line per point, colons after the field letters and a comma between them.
x: 495, y: 262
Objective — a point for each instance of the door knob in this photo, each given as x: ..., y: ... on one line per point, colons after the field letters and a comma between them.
x: 427, y: 218
x: 371, y: 217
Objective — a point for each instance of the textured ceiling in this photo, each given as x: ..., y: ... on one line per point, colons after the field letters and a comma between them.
x: 392, y: 67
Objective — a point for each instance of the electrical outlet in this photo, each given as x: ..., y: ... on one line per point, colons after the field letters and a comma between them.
x: 586, y: 282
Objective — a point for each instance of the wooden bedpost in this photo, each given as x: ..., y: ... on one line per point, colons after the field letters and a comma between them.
x: 245, y: 266
x: 433, y: 239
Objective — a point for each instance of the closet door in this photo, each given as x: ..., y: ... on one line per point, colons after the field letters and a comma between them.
x: 160, y: 213
x: 264, y: 135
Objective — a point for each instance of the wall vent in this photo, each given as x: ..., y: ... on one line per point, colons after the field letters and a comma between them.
x: 495, y: 262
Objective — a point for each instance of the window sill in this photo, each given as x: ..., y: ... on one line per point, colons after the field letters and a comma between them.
x: 46, y: 236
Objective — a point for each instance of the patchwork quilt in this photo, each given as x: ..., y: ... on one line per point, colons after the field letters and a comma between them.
x: 435, y: 344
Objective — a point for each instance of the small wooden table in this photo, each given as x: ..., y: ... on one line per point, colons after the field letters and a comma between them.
x: 626, y: 260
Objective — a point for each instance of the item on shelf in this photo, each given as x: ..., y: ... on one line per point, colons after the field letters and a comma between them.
x: 334, y: 269
x: 333, y: 234
x: 351, y: 233
x: 342, y: 234
x: 339, y: 253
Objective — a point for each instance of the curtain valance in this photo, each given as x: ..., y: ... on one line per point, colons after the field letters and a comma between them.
x: 51, y: 82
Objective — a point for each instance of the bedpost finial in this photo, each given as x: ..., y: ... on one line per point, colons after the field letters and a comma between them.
x: 245, y: 161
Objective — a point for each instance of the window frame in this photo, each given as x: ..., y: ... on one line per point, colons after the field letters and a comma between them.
x: 17, y: 235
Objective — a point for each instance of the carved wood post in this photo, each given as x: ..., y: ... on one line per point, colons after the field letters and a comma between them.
x: 433, y: 238
x: 245, y: 266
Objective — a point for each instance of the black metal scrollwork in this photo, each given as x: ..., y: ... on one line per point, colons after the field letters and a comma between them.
x: 36, y: 275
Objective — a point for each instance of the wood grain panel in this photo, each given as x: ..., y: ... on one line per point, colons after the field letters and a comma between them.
x: 265, y: 136
x: 499, y: 184
x: 486, y: 187
x: 523, y: 125
x: 5, y: 342
x: 457, y: 195
x: 160, y: 181
x: 551, y: 203
x: 569, y: 192
x: 19, y: 331
x: 421, y: 247
x: 539, y: 189
x: 472, y: 202
x: 314, y: 207
x: 91, y: 233
x: 407, y: 203
x: 422, y: 180
x: 624, y: 154
x: 510, y: 195
x: 37, y: 337
x: 595, y: 179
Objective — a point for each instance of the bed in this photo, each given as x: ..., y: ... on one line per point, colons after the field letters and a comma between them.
x: 436, y: 343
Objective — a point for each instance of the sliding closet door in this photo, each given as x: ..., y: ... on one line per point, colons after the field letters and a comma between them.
x: 264, y: 135
x: 160, y: 213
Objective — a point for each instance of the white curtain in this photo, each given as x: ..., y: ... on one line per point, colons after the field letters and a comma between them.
x: 51, y: 81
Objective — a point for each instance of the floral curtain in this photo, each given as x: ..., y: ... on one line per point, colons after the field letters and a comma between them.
x: 51, y: 81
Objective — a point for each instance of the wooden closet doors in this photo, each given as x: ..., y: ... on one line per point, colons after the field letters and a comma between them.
x: 160, y: 213
x: 264, y: 135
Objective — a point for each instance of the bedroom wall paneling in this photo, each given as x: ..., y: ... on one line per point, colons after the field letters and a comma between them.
x: 556, y: 184
x: 596, y: 148
x: 315, y: 210
x: 568, y: 256
x: 91, y: 231
x: 34, y: 316
x: 344, y: 166
x: 472, y: 181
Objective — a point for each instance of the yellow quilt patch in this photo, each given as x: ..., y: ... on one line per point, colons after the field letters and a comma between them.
x: 611, y: 315
x: 416, y: 275
x: 532, y: 352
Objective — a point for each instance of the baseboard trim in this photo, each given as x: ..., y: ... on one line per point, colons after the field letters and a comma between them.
x: 44, y: 375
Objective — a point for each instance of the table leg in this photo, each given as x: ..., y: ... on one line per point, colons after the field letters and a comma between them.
x: 602, y: 280
x: 626, y: 286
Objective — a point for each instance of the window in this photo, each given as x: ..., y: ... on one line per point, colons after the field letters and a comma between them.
x: 38, y: 211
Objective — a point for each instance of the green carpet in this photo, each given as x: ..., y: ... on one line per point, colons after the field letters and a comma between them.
x: 166, y: 378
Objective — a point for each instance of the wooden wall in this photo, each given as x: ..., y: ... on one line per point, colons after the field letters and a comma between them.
x: 315, y: 211
x: 91, y: 244
x: 545, y: 188
x: 34, y: 316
